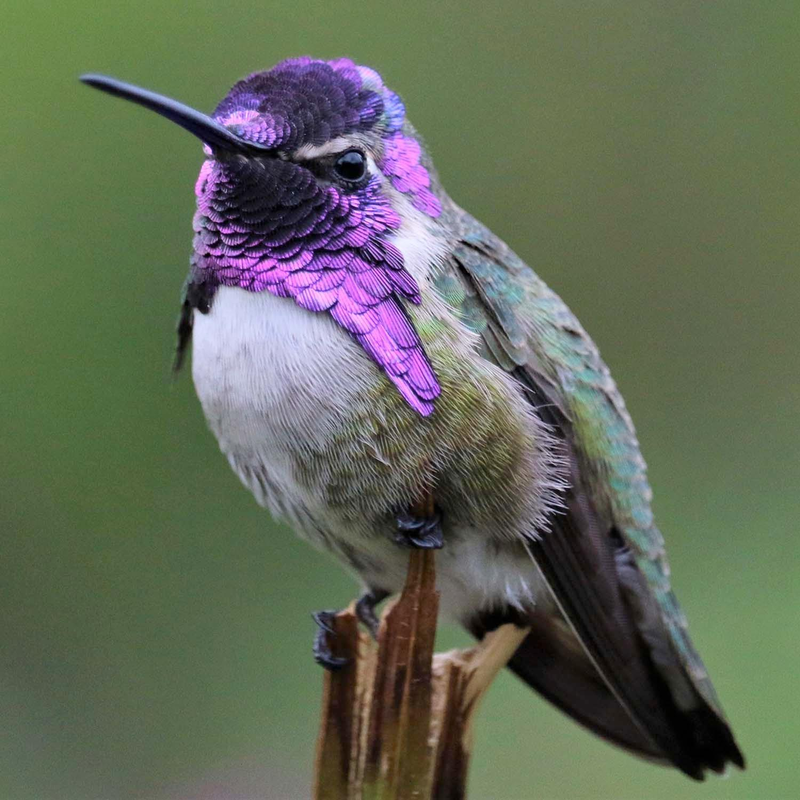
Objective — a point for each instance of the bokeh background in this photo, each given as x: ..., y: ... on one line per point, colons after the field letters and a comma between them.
x: 641, y: 155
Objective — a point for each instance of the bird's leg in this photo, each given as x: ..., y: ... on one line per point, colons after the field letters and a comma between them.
x: 365, y: 611
x: 420, y: 525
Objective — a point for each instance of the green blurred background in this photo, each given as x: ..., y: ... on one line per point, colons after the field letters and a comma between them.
x: 641, y: 155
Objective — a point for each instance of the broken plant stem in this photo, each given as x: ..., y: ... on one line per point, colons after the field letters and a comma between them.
x: 397, y: 720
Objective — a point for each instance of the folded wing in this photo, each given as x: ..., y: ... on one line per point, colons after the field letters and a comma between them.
x: 613, y: 651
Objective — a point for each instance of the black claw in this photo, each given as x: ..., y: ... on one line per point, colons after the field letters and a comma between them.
x: 324, y: 620
x: 365, y: 609
x: 424, y: 533
x: 322, y: 649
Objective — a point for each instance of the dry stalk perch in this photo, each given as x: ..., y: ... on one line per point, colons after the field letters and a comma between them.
x: 397, y: 720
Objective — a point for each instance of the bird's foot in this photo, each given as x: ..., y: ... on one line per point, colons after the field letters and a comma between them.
x: 323, y: 653
x: 324, y: 639
x: 421, y: 532
x: 365, y: 609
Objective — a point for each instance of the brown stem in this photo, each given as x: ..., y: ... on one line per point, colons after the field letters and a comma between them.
x: 397, y: 721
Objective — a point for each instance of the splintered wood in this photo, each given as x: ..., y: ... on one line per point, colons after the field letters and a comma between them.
x: 397, y: 720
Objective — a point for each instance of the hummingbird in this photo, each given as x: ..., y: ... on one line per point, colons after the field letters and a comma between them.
x: 384, y: 373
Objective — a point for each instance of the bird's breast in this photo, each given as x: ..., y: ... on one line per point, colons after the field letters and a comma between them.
x: 269, y: 372
x: 324, y: 439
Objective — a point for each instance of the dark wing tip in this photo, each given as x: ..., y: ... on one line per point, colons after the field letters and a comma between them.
x: 713, y: 745
x: 551, y: 661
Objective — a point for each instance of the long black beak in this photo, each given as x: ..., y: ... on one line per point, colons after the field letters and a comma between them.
x: 202, y: 126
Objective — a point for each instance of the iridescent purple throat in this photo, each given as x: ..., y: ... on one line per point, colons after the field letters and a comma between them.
x: 269, y: 225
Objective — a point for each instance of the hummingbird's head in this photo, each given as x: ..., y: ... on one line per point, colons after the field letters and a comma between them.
x: 335, y: 119
x: 337, y: 169
x: 313, y: 180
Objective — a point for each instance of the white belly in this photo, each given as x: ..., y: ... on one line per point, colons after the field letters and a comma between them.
x: 277, y: 381
x: 269, y: 376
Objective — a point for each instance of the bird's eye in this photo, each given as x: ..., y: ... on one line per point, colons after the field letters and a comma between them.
x: 351, y: 166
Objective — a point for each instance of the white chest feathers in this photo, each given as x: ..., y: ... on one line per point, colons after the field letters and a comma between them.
x: 271, y: 375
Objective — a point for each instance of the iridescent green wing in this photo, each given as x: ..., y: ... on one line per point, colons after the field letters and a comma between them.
x: 604, y: 559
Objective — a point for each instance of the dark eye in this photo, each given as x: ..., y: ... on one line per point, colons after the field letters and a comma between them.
x: 351, y: 166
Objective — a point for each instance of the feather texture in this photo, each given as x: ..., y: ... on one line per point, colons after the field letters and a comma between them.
x: 604, y: 558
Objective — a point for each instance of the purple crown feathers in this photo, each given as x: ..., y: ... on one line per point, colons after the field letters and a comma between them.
x: 271, y: 226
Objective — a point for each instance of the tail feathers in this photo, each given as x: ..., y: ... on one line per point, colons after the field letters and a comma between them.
x: 552, y: 660
x: 712, y: 739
